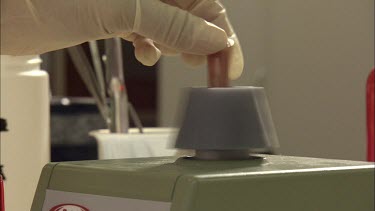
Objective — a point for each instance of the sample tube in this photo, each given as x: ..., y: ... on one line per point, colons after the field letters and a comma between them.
x: 217, y: 64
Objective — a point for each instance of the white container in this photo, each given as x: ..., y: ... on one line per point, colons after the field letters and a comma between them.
x: 25, y: 148
x: 154, y: 142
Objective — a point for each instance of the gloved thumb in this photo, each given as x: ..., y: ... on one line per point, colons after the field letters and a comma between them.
x: 177, y: 29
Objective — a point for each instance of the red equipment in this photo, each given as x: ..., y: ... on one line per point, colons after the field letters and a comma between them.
x: 370, y: 117
x: 2, y: 206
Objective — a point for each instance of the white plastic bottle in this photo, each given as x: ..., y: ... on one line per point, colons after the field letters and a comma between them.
x: 25, y: 148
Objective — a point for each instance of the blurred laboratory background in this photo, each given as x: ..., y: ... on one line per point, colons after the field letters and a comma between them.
x: 74, y: 112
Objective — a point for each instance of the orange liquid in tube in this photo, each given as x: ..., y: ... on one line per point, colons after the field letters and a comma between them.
x: 217, y: 64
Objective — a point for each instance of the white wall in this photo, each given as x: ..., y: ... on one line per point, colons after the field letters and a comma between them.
x: 316, y: 55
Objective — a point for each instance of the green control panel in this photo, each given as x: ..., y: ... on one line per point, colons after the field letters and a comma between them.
x: 262, y: 183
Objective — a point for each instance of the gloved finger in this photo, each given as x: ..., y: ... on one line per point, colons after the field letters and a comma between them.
x: 235, y: 56
x: 214, y: 12
x: 236, y: 62
x: 129, y: 36
x: 210, y: 10
x: 145, y: 51
x: 177, y: 29
x: 193, y: 60
x: 167, y: 51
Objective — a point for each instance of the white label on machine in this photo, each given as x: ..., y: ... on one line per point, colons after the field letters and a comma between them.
x: 68, y: 201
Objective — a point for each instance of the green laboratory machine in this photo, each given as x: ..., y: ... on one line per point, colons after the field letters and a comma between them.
x: 262, y: 183
x: 222, y: 176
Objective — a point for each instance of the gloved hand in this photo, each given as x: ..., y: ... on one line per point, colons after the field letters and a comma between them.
x: 193, y: 28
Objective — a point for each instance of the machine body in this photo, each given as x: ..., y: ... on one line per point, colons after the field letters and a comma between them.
x: 263, y: 183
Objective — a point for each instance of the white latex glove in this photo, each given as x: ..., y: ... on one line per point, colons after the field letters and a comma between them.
x: 194, y: 28
x: 148, y: 52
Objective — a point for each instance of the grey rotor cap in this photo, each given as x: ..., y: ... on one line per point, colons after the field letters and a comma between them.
x: 226, y: 121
